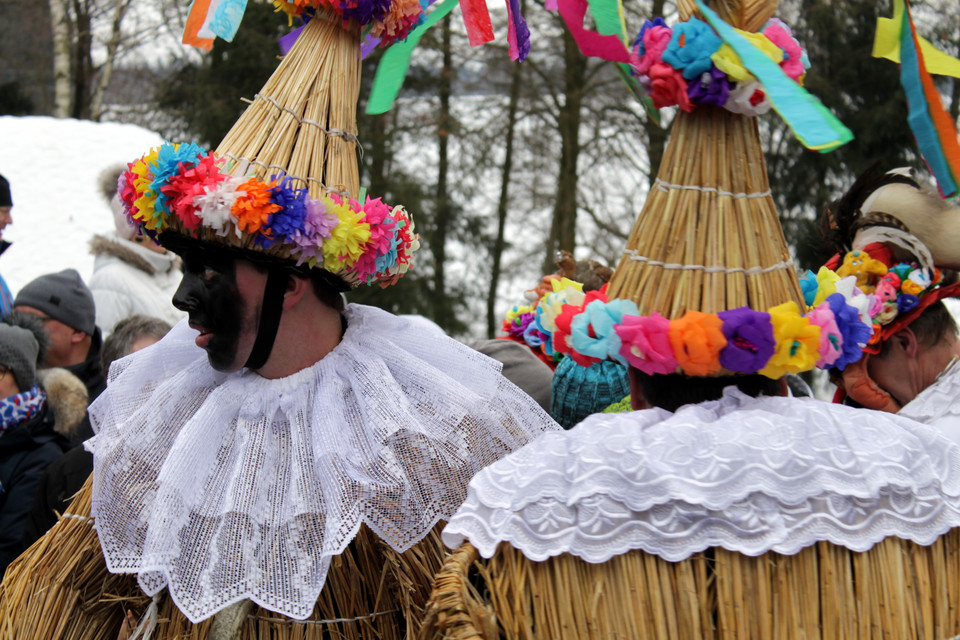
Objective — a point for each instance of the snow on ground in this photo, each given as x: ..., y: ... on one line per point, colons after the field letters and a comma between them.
x: 53, y: 166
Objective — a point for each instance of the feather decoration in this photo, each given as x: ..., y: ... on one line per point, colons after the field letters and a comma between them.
x: 911, y: 244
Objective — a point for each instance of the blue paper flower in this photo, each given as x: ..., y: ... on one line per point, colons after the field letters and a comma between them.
x: 690, y: 48
x: 855, y: 333
x: 592, y: 332
x: 907, y: 302
x: 808, y: 284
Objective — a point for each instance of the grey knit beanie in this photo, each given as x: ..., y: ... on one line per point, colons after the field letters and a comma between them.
x: 63, y: 296
x: 18, y: 352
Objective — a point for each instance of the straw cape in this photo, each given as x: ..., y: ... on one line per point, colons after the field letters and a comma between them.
x: 232, y: 506
x: 733, y: 518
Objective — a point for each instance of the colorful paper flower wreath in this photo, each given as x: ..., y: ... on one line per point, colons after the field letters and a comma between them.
x: 181, y: 188
x: 772, y: 343
x: 893, y: 290
x: 389, y: 20
x: 689, y: 65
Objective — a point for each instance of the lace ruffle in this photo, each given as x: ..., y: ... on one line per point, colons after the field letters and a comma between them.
x: 749, y: 475
x: 230, y: 486
x: 939, y: 404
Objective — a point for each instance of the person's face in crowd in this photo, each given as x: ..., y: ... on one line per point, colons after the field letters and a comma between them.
x: 142, y: 343
x: 6, y: 218
x: 63, y: 339
x: 8, y: 383
x: 223, y: 297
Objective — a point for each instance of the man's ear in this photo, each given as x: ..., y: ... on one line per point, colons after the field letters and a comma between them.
x: 77, y: 336
x: 637, y: 400
x: 296, y: 287
x: 906, y: 341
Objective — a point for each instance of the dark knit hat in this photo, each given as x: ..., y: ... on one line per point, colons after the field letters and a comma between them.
x: 18, y: 352
x: 63, y: 296
x: 6, y: 200
x: 581, y: 391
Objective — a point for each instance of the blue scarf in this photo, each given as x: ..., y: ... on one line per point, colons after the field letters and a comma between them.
x: 21, y: 407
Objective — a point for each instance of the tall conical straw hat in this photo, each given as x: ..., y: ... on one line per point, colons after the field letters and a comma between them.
x: 708, y: 237
x: 303, y: 122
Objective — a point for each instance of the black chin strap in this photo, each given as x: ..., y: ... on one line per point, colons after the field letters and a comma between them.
x: 270, y: 312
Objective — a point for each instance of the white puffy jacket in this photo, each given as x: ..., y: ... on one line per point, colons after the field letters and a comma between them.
x: 129, y: 279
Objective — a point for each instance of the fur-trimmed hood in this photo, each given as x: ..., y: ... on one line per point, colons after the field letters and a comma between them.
x: 66, y: 396
x: 140, y: 257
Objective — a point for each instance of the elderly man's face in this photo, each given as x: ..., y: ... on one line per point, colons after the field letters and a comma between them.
x: 223, y: 298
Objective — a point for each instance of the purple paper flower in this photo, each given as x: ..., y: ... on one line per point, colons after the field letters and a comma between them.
x: 854, y: 332
x: 519, y: 325
x: 317, y: 225
x: 289, y: 220
x: 750, y: 341
x: 364, y: 11
x: 711, y: 88
x: 531, y: 335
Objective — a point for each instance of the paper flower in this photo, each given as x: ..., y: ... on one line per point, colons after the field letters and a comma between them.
x: 654, y: 40
x: 645, y: 344
x: 748, y: 99
x: 907, y: 302
x: 711, y: 88
x: 798, y: 342
x: 563, y: 322
x: 749, y: 336
x: 697, y: 339
x: 318, y: 225
x: 793, y: 58
x: 348, y: 238
x: 667, y: 87
x: 592, y: 335
x: 808, y: 285
x: 831, y: 338
x: 252, y: 210
x: 214, y: 207
x: 826, y: 285
x: 690, y: 47
x: 531, y: 336
x: 854, y: 331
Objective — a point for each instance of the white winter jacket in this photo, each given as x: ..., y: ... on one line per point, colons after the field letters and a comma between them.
x: 129, y: 279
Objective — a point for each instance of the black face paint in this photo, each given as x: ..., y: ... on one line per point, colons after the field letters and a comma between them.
x: 209, y: 294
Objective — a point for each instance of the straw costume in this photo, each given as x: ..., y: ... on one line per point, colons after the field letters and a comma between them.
x: 229, y: 505
x: 734, y: 517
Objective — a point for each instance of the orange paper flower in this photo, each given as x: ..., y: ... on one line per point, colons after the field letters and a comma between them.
x: 253, y: 209
x: 697, y: 339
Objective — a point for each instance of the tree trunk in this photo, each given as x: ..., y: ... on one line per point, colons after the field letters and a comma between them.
x: 444, y: 313
x: 82, y: 60
x: 60, y: 27
x: 502, y: 208
x: 106, y: 70
x: 564, y: 226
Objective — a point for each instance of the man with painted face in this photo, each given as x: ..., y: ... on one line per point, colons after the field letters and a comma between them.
x: 277, y: 423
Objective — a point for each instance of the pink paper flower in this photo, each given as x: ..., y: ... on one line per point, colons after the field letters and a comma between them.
x: 646, y: 343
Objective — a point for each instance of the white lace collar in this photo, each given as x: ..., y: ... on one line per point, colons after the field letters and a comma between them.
x: 229, y: 486
x: 750, y: 475
x: 939, y: 404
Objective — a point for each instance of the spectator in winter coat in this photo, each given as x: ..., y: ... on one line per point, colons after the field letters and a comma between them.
x: 65, y: 305
x: 31, y: 428
x: 66, y: 476
x: 132, y: 274
x: 6, y: 205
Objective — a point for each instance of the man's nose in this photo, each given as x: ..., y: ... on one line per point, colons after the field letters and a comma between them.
x: 186, y: 297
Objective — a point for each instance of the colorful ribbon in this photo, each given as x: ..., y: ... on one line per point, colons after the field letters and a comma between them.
x: 396, y: 60
x: 932, y: 126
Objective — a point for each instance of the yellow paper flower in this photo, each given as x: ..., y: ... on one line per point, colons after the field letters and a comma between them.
x: 551, y: 305
x: 729, y: 62
x: 826, y: 285
x: 797, y: 340
x: 345, y: 244
x: 518, y: 311
x: 559, y: 284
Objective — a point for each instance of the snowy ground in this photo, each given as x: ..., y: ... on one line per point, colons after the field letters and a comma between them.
x: 53, y: 167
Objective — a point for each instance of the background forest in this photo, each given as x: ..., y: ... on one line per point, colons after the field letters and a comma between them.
x: 502, y: 164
